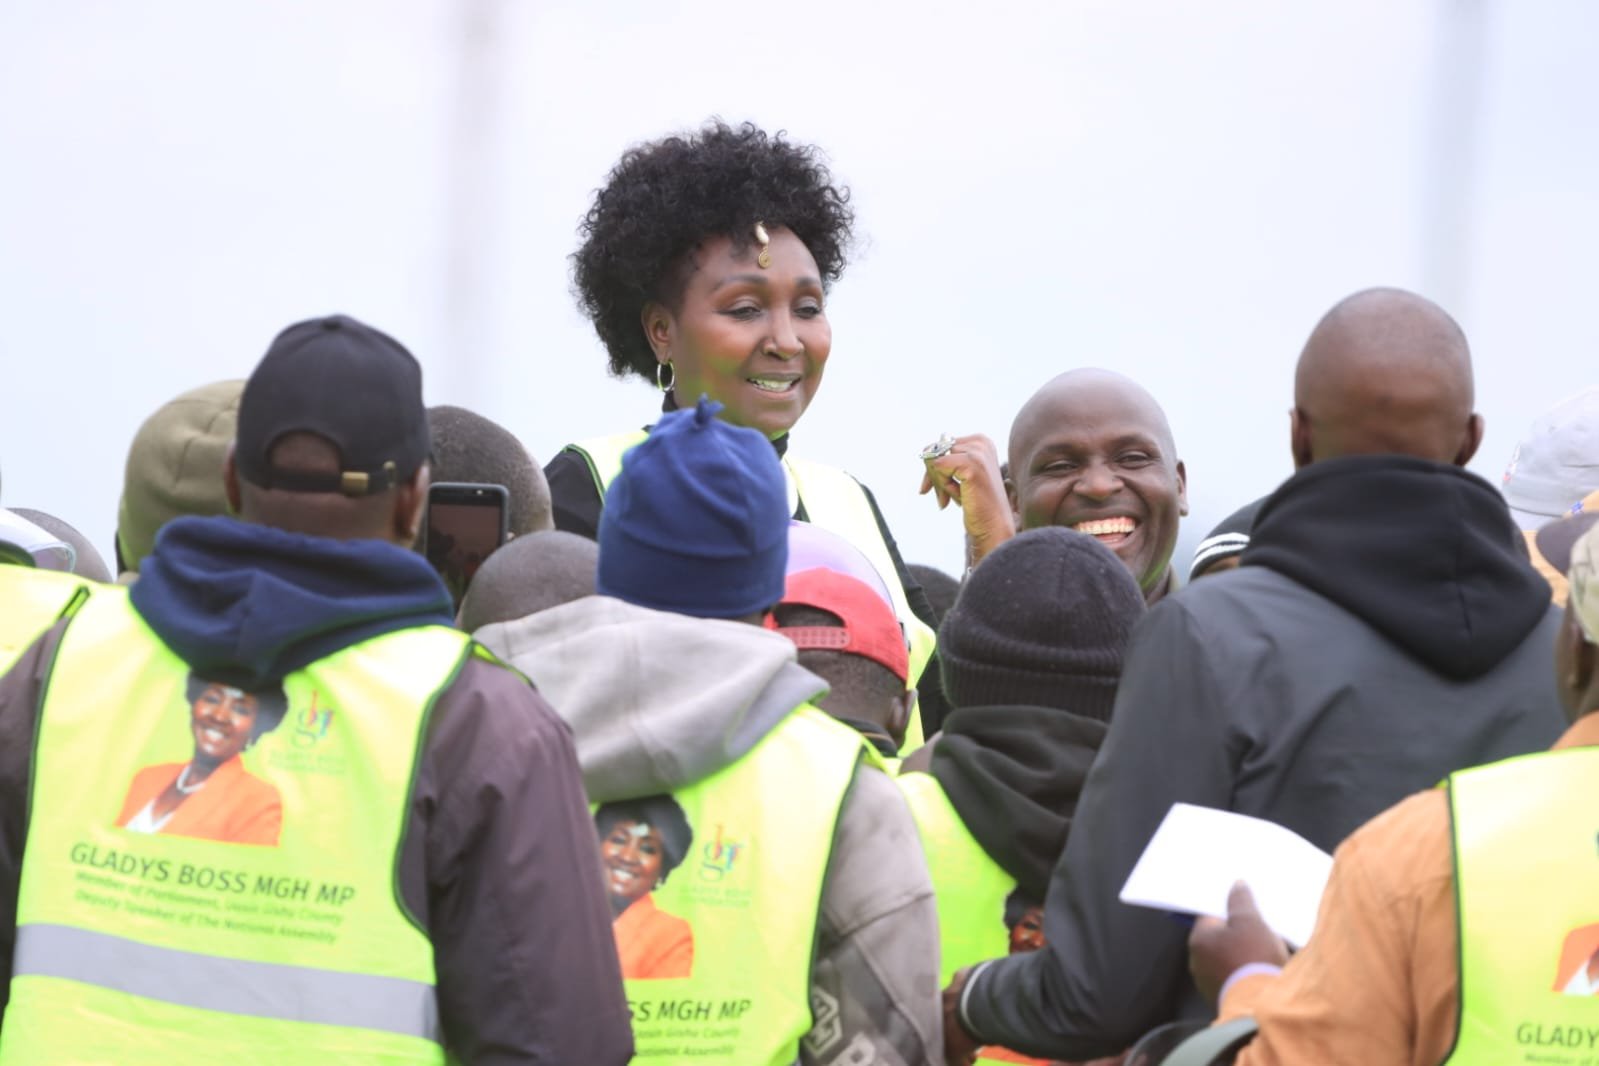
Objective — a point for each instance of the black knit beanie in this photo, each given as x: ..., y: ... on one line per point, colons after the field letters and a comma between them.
x: 1043, y: 621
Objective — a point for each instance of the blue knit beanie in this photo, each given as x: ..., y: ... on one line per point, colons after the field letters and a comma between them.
x: 697, y: 520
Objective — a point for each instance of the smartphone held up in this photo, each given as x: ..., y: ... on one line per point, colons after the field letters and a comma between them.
x: 465, y: 523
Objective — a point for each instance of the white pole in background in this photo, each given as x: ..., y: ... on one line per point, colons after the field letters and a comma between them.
x: 1449, y: 167
x: 471, y: 190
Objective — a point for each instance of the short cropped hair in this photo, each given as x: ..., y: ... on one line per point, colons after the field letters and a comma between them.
x: 529, y: 575
x: 468, y: 447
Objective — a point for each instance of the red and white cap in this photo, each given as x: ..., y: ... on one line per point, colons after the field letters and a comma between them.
x: 868, y: 626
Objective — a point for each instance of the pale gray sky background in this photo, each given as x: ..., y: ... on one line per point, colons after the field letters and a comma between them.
x: 1175, y: 190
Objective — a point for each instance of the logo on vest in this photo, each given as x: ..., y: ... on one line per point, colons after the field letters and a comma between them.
x: 718, y: 857
x: 312, y: 724
x: 311, y: 747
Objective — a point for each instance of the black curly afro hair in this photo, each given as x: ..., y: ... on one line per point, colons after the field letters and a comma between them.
x: 666, y: 197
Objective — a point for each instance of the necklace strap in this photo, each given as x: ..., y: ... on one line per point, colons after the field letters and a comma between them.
x: 183, y: 775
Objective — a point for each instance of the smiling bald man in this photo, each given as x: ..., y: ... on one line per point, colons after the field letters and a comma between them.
x: 1092, y: 451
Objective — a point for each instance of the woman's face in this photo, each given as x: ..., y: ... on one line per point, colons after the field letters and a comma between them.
x: 633, y: 856
x: 754, y: 339
x: 222, y: 721
x: 1028, y: 935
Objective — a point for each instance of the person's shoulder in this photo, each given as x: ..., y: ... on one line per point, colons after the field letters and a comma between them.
x: 494, y: 700
x: 1224, y: 611
x: 489, y: 684
x: 1233, y: 588
x: 1407, y: 847
x: 872, y: 793
x: 877, y: 845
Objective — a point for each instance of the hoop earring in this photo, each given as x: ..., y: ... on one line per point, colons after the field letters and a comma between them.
x: 665, y: 382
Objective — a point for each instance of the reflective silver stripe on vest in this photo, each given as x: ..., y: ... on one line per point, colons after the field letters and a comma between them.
x: 234, y: 986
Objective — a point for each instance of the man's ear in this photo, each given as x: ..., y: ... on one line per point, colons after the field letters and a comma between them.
x: 1474, y: 431
x: 1182, y: 488
x: 1299, y: 438
x: 658, y: 329
x: 230, y: 483
x: 900, y: 718
x: 410, y: 506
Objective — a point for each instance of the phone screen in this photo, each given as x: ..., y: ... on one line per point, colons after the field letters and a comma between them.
x: 465, y: 523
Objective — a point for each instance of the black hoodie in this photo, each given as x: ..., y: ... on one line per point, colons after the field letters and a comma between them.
x: 1013, y: 774
x: 1439, y: 573
x: 1381, y: 633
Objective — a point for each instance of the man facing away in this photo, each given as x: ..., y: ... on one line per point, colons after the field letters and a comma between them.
x: 1382, y: 632
x: 434, y: 890
x: 771, y: 900
x: 1458, y: 926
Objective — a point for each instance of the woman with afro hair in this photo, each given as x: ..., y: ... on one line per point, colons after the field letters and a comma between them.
x: 705, y: 266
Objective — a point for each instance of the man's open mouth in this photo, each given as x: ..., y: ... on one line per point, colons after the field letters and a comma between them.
x: 1108, y: 531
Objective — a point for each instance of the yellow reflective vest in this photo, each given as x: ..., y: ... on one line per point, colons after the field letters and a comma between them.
x: 32, y: 601
x: 833, y: 500
x: 717, y: 955
x: 970, y: 887
x: 1527, y: 904
x: 150, y: 939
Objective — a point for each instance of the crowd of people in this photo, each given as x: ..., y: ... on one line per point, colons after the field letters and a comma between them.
x: 696, y: 768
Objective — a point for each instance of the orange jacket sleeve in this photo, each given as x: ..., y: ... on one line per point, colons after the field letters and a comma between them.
x: 1376, y: 984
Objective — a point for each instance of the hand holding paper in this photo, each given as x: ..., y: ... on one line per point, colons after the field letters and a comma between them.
x: 1197, y: 854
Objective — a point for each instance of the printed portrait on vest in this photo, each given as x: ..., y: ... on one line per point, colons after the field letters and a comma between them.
x: 641, y: 842
x: 1578, y: 973
x: 211, y: 796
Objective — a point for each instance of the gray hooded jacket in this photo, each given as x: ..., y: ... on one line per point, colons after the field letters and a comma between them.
x: 658, y: 701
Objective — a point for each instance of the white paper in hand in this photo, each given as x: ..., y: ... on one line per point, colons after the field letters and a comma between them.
x: 1198, y: 852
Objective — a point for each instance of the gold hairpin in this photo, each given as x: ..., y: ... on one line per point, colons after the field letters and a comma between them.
x: 764, y: 258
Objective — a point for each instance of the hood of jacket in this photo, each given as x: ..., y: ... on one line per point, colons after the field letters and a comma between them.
x: 1423, y: 552
x: 247, y: 604
x: 656, y: 701
x: 1013, y: 774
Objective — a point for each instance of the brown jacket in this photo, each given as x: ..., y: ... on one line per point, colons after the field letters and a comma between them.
x: 1378, y: 983
x: 498, y: 864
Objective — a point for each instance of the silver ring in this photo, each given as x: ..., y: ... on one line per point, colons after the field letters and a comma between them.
x: 939, y: 448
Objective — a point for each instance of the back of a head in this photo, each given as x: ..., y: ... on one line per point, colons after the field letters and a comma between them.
x: 470, y: 448
x: 174, y: 467
x: 332, y: 435
x: 697, y: 520
x: 1043, y: 621
x: 87, y: 561
x: 1385, y: 372
x: 850, y: 637
x: 528, y: 575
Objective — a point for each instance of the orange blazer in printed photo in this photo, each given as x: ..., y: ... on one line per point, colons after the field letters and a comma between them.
x: 234, y: 806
